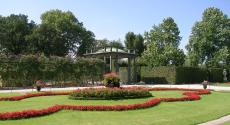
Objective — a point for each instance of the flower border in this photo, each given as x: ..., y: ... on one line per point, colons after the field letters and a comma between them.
x: 189, y: 95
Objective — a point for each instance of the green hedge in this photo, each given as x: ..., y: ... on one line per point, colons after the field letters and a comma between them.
x: 190, y: 75
x: 180, y: 75
x: 158, y: 75
x: 215, y: 74
x: 24, y: 70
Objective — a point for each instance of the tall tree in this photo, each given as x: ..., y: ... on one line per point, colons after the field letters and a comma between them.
x: 133, y: 41
x: 13, y: 32
x: 139, y: 44
x: 162, y: 45
x: 60, y: 33
x: 129, y: 40
x: 209, y: 42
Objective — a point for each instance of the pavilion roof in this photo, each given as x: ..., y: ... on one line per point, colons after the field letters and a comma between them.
x: 111, y: 51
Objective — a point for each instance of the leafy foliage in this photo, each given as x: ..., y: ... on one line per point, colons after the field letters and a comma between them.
x: 108, y: 43
x: 209, y: 41
x: 60, y: 33
x: 162, y: 45
x: 26, y: 69
x: 13, y: 32
x: 135, y: 42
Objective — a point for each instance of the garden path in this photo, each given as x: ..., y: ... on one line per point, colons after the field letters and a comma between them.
x: 190, y: 86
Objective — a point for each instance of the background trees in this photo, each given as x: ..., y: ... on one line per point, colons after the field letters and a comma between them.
x: 133, y: 41
x: 60, y: 33
x: 209, y: 42
x: 162, y: 45
x: 13, y: 32
x: 111, y: 43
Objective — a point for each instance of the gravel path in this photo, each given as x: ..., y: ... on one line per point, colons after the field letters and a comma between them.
x: 190, y: 86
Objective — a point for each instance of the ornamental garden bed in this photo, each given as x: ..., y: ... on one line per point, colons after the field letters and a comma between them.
x: 188, y: 95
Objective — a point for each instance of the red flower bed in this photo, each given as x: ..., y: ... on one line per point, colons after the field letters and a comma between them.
x: 146, y: 104
x: 190, y: 95
x: 29, y: 113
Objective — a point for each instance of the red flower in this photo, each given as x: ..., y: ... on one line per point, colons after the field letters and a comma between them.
x: 112, y: 74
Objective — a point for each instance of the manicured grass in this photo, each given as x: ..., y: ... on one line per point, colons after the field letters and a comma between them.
x: 185, y: 113
x: 9, y: 94
x: 227, y: 123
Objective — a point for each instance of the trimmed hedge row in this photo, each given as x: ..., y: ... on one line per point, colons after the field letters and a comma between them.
x: 24, y: 70
x: 163, y: 75
x: 215, y: 75
x: 180, y: 75
x: 190, y: 75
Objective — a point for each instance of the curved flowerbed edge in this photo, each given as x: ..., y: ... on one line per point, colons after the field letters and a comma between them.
x: 190, y: 95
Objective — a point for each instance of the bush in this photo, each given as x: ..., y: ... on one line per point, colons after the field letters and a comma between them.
x: 109, y: 93
x: 111, y: 80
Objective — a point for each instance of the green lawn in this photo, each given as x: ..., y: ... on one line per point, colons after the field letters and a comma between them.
x: 172, y: 113
x: 227, y: 123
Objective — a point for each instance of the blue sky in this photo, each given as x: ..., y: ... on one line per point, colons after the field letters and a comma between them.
x: 112, y: 19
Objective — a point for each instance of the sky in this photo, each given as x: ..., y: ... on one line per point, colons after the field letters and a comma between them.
x: 112, y: 19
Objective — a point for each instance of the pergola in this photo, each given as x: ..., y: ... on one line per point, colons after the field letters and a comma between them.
x: 114, y: 54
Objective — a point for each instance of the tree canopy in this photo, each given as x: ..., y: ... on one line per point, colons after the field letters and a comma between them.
x: 13, y: 32
x: 60, y: 33
x: 209, y: 42
x: 162, y: 45
x: 133, y: 41
x: 111, y: 43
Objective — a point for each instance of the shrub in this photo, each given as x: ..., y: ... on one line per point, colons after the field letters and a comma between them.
x: 108, y: 93
x: 111, y: 80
